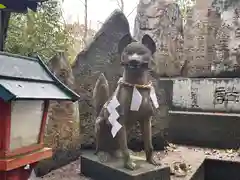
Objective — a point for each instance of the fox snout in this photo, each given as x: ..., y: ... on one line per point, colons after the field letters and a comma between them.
x: 135, y: 57
x: 135, y: 61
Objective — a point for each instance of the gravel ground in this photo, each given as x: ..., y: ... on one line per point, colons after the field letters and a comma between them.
x: 172, y: 155
x: 68, y: 172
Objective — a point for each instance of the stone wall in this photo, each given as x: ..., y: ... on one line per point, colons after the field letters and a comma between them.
x: 62, y: 131
x: 211, y: 49
x: 207, y: 46
x: 214, y: 131
x: 194, y: 118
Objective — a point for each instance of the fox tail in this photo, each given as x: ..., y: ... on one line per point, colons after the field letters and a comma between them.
x: 100, y: 93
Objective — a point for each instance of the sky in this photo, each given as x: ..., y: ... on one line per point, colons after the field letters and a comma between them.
x: 98, y: 11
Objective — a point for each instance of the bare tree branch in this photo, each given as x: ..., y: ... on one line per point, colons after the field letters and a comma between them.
x: 62, y: 15
x: 82, y: 2
x: 132, y: 10
x: 85, y: 3
x: 120, y: 5
x: 85, y: 22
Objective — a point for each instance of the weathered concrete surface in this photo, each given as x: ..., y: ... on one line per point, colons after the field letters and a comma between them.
x: 215, y: 95
x: 62, y: 132
x: 190, y: 124
x: 204, y: 130
x: 216, y: 169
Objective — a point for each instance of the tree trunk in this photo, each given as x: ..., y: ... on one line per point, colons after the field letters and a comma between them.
x: 85, y: 23
x: 122, y: 5
x: 4, y: 20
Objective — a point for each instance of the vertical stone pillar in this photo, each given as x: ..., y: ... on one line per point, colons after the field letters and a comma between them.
x: 162, y: 20
x: 200, y: 39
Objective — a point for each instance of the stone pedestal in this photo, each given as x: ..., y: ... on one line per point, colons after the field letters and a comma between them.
x: 93, y: 168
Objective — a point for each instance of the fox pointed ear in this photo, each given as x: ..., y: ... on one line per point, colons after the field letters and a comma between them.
x: 127, y: 39
x: 149, y: 43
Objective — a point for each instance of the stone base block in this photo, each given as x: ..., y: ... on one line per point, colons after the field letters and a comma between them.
x: 93, y: 168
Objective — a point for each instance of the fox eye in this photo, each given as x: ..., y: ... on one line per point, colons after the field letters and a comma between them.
x: 129, y: 52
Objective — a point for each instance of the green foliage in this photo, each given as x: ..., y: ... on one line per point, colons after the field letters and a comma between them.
x: 42, y: 32
x: 224, y: 4
x: 184, y: 6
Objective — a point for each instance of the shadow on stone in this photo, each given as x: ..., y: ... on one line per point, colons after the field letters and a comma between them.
x: 216, y: 169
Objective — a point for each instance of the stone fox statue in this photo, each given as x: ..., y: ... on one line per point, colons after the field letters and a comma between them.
x: 111, y: 136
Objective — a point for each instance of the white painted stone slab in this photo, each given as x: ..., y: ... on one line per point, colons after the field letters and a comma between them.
x: 207, y: 94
